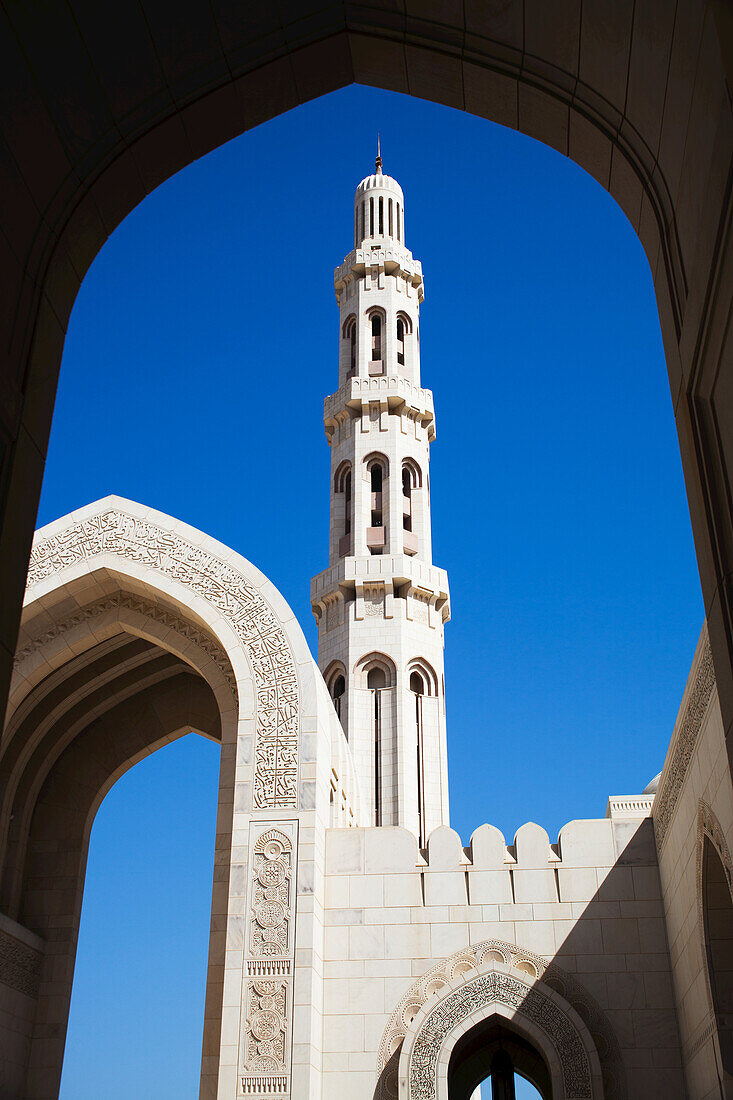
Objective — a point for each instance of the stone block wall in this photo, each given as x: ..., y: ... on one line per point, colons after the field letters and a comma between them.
x: 398, y: 922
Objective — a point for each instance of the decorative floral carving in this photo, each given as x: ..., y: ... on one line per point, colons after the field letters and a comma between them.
x: 269, y: 960
x: 505, y: 954
x: 273, y: 666
x: 266, y: 1028
x: 272, y: 871
x: 699, y: 696
x: 526, y: 1001
x: 150, y: 610
x: 20, y: 965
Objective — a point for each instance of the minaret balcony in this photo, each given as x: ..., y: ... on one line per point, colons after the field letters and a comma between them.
x: 375, y: 537
x: 390, y: 389
x: 409, y: 542
x: 393, y: 260
x: 397, y: 570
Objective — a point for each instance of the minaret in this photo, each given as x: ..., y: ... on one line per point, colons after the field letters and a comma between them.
x: 381, y: 605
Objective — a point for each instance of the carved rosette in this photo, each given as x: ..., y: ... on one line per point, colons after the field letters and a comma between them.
x: 238, y: 601
x: 267, y: 1034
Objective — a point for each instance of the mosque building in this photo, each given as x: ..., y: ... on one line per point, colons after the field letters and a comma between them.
x: 358, y: 949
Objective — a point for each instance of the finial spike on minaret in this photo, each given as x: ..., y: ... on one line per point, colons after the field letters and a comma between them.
x: 378, y: 161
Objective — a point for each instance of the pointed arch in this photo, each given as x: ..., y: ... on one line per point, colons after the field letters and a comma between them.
x: 524, y: 987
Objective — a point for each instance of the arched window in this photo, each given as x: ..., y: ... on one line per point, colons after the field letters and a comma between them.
x: 400, y: 341
x: 391, y: 218
x: 376, y: 531
x: 376, y: 337
x: 377, y: 673
x: 416, y: 683
x: 349, y: 335
x: 411, y: 479
x: 417, y: 688
x: 406, y: 499
x: 399, y: 235
x: 371, y: 217
x: 343, y: 519
x: 337, y: 693
x: 347, y: 502
x: 381, y: 216
x: 336, y: 683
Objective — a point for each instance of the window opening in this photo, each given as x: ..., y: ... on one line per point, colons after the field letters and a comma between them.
x: 400, y: 341
x: 417, y: 687
x: 407, y: 502
x: 337, y: 693
x: 371, y: 217
x: 376, y: 480
x: 390, y: 217
x: 347, y: 503
x: 381, y: 215
x: 399, y: 237
x: 376, y: 680
x: 376, y: 337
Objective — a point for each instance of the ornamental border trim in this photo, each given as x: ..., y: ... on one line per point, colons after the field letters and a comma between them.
x: 526, y: 1001
x: 247, y: 612
x: 700, y: 694
x: 536, y: 967
x: 159, y: 614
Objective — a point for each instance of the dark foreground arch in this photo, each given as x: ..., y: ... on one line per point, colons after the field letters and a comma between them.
x: 102, y: 105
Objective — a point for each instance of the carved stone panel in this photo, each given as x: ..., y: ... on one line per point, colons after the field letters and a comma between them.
x: 266, y: 1038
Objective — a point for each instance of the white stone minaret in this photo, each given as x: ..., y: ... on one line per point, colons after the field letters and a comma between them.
x: 381, y: 604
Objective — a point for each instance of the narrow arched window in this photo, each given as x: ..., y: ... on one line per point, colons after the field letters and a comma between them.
x: 376, y: 533
x: 399, y: 236
x: 400, y: 341
x: 417, y: 687
x: 349, y: 332
x: 376, y: 338
x: 406, y: 499
x: 338, y: 689
x: 381, y: 215
x: 371, y: 217
x: 347, y: 503
x: 391, y: 220
x: 376, y: 681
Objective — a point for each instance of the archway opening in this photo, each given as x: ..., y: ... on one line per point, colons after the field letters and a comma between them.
x: 145, y: 924
x: 494, y: 1062
x: 718, y: 927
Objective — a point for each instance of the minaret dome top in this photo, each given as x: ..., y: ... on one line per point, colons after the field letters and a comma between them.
x: 379, y: 207
x: 378, y: 182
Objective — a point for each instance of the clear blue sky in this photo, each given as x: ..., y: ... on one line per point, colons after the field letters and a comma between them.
x: 200, y: 348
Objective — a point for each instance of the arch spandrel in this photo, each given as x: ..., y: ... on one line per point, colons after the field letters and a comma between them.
x: 240, y: 609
